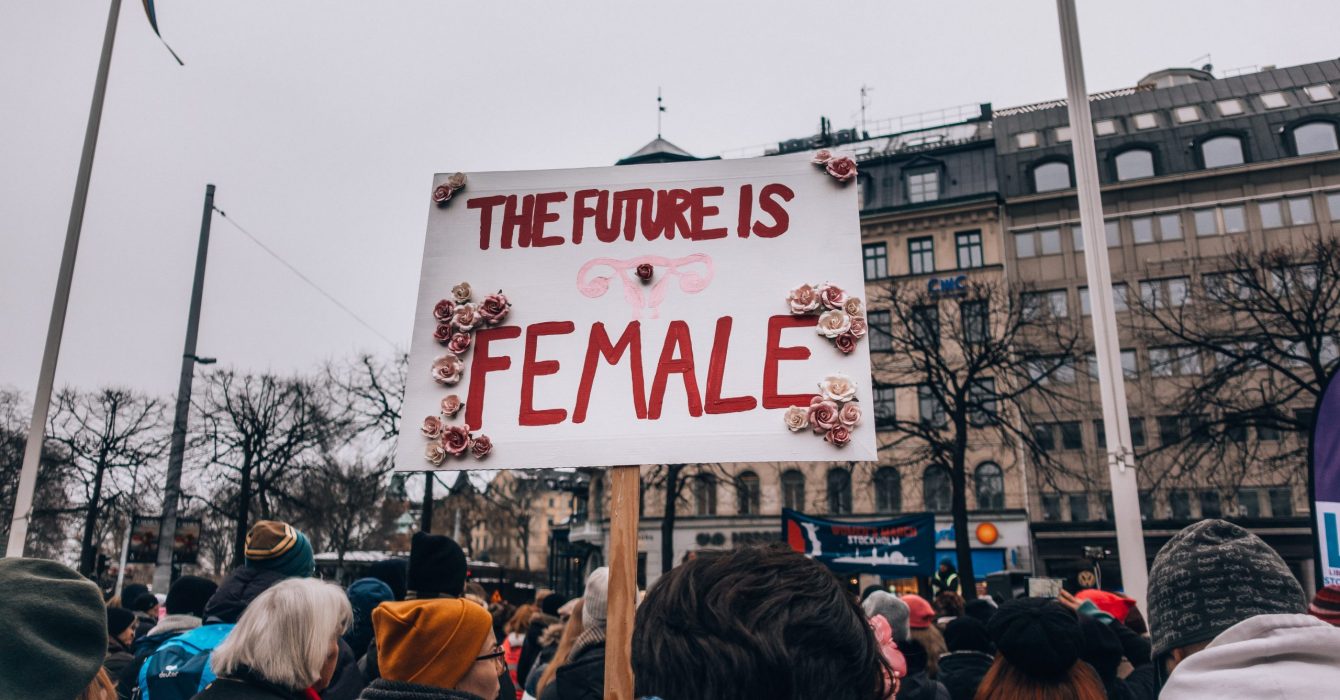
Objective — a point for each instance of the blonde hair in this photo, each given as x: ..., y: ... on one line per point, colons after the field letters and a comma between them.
x: 284, y: 635
x: 571, y: 632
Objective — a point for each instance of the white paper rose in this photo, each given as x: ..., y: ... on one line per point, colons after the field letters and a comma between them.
x: 833, y: 323
x: 803, y: 299
x: 837, y: 387
x: 797, y: 418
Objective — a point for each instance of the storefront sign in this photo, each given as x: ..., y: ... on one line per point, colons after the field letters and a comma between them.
x: 894, y: 548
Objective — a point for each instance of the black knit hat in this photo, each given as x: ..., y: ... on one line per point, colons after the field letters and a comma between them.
x: 436, y: 566
x: 1037, y: 635
x: 391, y: 572
x: 130, y: 592
x: 189, y: 594
x: 981, y: 609
x: 1102, y: 650
x: 55, y: 634
x: 552, y: 602
x: 968, y: 634
x: 1211, y: 576
x: 118, y: 619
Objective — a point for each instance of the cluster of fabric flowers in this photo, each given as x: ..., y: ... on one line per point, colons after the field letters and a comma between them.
x: 457, y: 318
x: 442, y: 193
x: 445, y: 439
x: 834, y: 412
x: 841, y: 316
x: 842, y: 168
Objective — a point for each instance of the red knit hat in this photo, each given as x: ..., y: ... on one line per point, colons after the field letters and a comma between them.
x: 1326, y: 606
x: 920, y: 613
x: 1114, y: 604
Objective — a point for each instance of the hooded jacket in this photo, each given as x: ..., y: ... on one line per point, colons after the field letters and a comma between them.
x: 962, y: 671
x: 1267, y: 657
x: 236, y: 593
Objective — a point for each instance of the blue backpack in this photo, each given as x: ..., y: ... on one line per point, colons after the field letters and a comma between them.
x: 180, y: 667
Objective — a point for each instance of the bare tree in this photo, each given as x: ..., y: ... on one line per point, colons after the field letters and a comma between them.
x: 370, y: 391
x: 51, y: 501
x: 675, y: 483
x: 106, y: 433
x: 340, y: 498
x: 512, y: 495
x: 980, y: 364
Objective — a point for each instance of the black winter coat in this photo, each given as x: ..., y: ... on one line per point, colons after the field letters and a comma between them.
x: 246, y: 687
x: 382, y: 689
x: 347, y: 682
x: 962, y: 671
x: 236, y: 593
x: 530, y: 648
x: 581, y: 678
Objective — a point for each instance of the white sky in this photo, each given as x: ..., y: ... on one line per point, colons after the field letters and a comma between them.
x: 323, y: 122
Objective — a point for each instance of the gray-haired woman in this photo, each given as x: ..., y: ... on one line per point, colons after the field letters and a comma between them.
x: 284, y: 646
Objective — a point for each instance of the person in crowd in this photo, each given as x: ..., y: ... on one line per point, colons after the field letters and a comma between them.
x: 1102, y: 650
x: 1228, y: 620
x: 918, y: 683
x: 101, y: 688
x: 501, y: 612
x: 542, y: 673
x: 948, y: 606
x: 515, y: 637
x: 435, y: 649
x: 393, y: 573
x: 476, y: 593
x: 755, y: 622
x: 437, y: 567
x: 893, y: 610
x: 543, y: 620
x: 145, y: 606
x: 582, y: 675
x: 185, y: 606
x: 129, y: 592
x: 364, y: 595
x: 969, y: 658
x: 285, y: 645
x: 54, y: 638
x: 921, y: 618
x: 1039, y: 641
x: 946, y: 579
x: 120, y: 635
x: 980, y: 609
x: 1325, y: 605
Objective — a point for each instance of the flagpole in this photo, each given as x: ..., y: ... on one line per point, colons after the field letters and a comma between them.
x: 32, y: 454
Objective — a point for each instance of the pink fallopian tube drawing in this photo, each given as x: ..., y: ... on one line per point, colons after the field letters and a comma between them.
x: 690, y: 281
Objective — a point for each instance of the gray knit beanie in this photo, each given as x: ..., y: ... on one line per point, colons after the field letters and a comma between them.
x: 1211, y: 576
x: 595, y: 601
x: 55, y: 634
x: 892, y: 609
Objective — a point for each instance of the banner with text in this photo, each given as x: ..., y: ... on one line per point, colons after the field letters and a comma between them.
x: 708, y: 311
x: 1326, y: 482
x: 901, y: 547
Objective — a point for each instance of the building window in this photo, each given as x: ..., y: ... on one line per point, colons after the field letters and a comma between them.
x: 1333, y: 205
x: 1030, y: 244
x: 705, y: 494
x: 926, y: 326
x: 923, y: 186
x: 1179, y: 502
x: 1186, y: 115
x: 1062, y: 134
x: 990, y: 483
x: 1274, y: 100
x: 886, y: 406
x: 1221, y: 152
x: 1137, y: 432
x: 1051, y: 176
x: 1027, y: 139
x: 1314, y: 137
x: 929, y: 409
x: 839, y: 491
x: 1229, y: 108
x: 1085, y: 304
x: 982, y: 401
x: 1119, y: 292
x: 935, y: 489
x: 969, y: 248
x: 1225, y: 219
x: 747, y: 493
x: 1249, y: 503
x: 1072, y: 438
x: 976, y: 321
x: 878, y: 327
x: 1142, y: 229
x: 1319, y: 93
x: 1300, y: 211
x: 921, y: 255
x: 1044, y: 435
x: 1112, y: 230
x: 1135, y: 164
x: 1146, y: 120
x: 1038, y: 305
x: 1272, y: 214
x: 888, y: 490
x: 1170, y: 227
x: 876, y: 260
x: 1079, y: 507
x: 1207, y: 222
x: 1209, y: 505
x: 1166, y: 293
x: 1170, y: 430
x: 1281, y: 502
x: 1146, y: 505
x: 1104, y: 127
x: 1051, y: 506
x: 1177, y: 361
x: 793, y: 489
x: 1235, y: 218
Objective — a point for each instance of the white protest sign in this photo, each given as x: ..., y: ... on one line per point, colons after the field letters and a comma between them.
x: 588, y: 363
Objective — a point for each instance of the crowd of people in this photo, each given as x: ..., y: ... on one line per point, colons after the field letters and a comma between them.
x: 1226, y: 619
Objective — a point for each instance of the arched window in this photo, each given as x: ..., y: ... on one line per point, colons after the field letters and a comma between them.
x: 793, y: 489
x: 1051, y: 176
x: 839, y: 491
x: 888, y: 490
x: 705, y: 494
x: 1315, y: 137
x: 990, y: 484
x: 1135, y: 164
x: 935, y: 489
x: 747, y: 494
x: 1221, y: 151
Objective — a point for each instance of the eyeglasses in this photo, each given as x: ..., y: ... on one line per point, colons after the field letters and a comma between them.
x: 496, y: 653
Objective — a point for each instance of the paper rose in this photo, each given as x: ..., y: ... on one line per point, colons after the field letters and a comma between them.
x: 832, y: 323
x: 843, y: 168
x: 797, y: 418
x: 443, y: 310
x: 823, y: 414
x: 494, y: 308
x: 459, y: 343
x: 850, y: 414
x: 456, y: 440
x: 448, y: 369
x: 442, y: 333
x: 434, y: 453
x: 822, y: 157
x: 645, y: 271
x: 442, y: 193
x: 845, y: 342
x: 837, y: 387
x: 432, y: 427
x: 466, y: 317
x: 853, y: 307
x: 832, y: 296
x: 456, y: 181
x: 451, y: 404
x: 858, y: 327
x: 803, y: 299
x: 461, y: 292
x: 839, y: 436
x: 481, y: 446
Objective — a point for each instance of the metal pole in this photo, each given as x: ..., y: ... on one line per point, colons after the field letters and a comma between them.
x: 32, y: 454
x: 125, y: 552
x: 1111, y: 386
x: 426, y: 514
x: 167, y: 532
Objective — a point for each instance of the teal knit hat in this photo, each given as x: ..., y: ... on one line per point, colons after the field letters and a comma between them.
x: 279, y: 547
x: 55, y: 631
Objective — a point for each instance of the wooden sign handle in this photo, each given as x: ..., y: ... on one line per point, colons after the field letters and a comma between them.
x: 625, y: 490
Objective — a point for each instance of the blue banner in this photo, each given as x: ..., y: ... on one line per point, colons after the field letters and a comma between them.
x: 897, y: 548
x: 1325, y: 482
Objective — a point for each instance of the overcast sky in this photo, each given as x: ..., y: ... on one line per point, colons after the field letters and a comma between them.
x: 322, y: 123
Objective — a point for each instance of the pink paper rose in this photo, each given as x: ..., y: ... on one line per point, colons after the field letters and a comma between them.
x: 448, y: 369
x: 832, y: 296
x: 459, y: 343
x: 451, y: 404
x: 850, y: 414
x: 842, y: 167
x: 645, y: 271
x: 466, y: 317
x: 442, y: 193
x: 434, y: 453
x: 858, y: 327
x: 481, y: 447
x: 833, y: 323
x: 823, y: 414
x: 803, y: 299
x: 442, y: 333
x: 494, y: 308
x: 839, y: 436
x: 853, y: 307
x: 456, y: 440
x: 443, y: 310
x: 461, y: 292
x: 845, y: 342
x: 822, y: 157
x: 432, y: 427
x: 797, y: 418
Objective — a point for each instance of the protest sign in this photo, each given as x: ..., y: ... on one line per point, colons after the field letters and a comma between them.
x: 640, y: 314
x: 145, y: 531
x: 1324, y: 483
x: 897, y: 548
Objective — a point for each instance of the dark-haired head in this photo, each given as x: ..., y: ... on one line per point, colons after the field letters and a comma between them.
x: 756, y: 622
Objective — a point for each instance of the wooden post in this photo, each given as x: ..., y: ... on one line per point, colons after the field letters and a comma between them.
x: 625, y: 488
